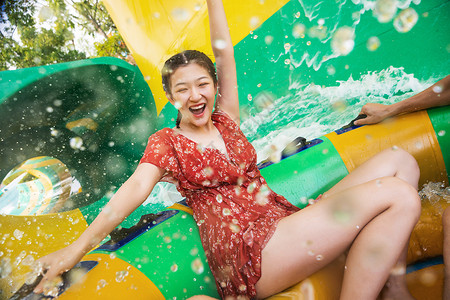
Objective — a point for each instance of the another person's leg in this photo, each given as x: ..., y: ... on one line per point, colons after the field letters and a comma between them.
x: 446, y: 254
x: 374, y: 219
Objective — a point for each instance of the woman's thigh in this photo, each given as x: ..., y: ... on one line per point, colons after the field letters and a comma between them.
x: 308, y: 240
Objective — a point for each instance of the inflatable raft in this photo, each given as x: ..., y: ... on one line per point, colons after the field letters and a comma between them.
x: 104, y: 110
x: 161, y: 256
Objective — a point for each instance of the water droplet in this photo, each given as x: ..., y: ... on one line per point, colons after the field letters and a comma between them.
x: 120, y: 79
x: 373, y: 43
x: 101, y: 284
x: 177, y: 105
x: 197, y: 6
x: 57, y: 103
x: 251, y: 187
x: 208, y: 171
x: 428, y: 278
x: 395, y: 148
x: 406, y: 20
x: 45, y: 13
x: 76, y: 142
x: 113, y: 67
x: 437, y: 89
x: 287, y: 61
x: 287, y: 46
x: 18, y: 234
x: 180, y: 14
x: 254, y: 22
x: 398, y: 270
x: 385, y: 10
x: 235, y: 228
x: 298, y: 30
x: 378, y: 183
x: 242, y: 287
x: 343, y: 40
x: 174, y: 267
x: 49, y: 109
x: 167, y: 239
x: 297, y: 14
x: 441, y: 133
x: 197, y: 266
x: 319, y: 257
x: 220, y: 44
x: 219, y: 198
x: 303, y: 201
x: 77, y: 275
x: 268, y: 40
x: 120, y: 275
x: 54, y: 132
x: 340, y: 105
x: 28, y: 261
x: 249, y: 97
x: 331, y: 70
x: 226, y: 211
x: 311, y: 253
x: 194, y: 251
x: 51, y: 287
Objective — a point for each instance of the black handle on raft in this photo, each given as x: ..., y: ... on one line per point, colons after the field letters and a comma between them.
x: 352, y: 123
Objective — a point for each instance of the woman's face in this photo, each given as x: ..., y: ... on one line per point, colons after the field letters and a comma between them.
x: 193, y: 93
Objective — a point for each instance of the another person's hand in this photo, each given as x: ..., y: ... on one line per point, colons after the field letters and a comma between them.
x: 56, y: 263
x: 375, y: 113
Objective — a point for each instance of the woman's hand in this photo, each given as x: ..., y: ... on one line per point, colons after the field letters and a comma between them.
x: 56, y: 263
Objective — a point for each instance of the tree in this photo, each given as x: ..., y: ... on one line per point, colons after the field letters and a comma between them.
x: 25, y: 42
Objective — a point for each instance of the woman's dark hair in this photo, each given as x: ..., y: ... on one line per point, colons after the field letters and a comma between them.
x: 183, y: 59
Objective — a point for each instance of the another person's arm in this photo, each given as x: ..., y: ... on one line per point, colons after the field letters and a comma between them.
x: 227, y: 98
x: 130, y: 195
x: 436, y: 95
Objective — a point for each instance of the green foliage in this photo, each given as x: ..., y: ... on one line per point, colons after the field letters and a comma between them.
x: 25, y: 44
x: 113, y: 46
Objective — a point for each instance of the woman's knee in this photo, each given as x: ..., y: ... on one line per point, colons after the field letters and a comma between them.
x: 402, y: 194
x: 405, y: 160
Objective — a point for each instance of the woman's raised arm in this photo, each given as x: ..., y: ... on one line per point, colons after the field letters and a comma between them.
x: 227, y: 98
x: 129, y: 196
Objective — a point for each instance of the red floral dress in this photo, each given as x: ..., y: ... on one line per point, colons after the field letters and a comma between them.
x: 236, y: 212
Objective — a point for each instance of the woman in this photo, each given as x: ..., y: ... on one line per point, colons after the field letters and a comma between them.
x: 255, y: 240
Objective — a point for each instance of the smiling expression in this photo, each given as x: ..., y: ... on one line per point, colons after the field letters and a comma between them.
x: 192, y: 92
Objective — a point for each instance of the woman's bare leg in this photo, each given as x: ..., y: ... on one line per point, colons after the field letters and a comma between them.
x: 390, y: 162
x: 374, y: 218
x: 393, y: 162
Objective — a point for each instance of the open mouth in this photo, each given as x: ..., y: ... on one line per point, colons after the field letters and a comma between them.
x: 198, y: 109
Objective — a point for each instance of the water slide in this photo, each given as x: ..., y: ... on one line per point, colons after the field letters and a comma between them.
x: 79, y: 128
